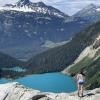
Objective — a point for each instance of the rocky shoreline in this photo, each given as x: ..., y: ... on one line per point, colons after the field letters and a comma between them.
x: 16, y: 91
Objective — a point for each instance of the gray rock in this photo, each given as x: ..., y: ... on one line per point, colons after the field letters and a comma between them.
x: 16, y: 91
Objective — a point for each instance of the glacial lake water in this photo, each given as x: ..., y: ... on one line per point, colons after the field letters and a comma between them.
x: 49, y: 82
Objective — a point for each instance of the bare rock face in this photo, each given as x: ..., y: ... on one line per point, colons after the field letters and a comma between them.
x: 15, y: 91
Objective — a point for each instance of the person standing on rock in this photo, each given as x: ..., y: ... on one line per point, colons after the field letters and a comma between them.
x: 80, y: 82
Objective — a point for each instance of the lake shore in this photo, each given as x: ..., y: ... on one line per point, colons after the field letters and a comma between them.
x: 47, y: 82
x: 16, y: 91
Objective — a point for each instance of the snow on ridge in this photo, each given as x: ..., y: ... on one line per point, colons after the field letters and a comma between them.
x: 98, y: 9
x: 28, y: 9
x: 51, y: 44
x: 24, y: 9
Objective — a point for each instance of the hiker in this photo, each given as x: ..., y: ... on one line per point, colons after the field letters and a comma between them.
x: 80, y: 82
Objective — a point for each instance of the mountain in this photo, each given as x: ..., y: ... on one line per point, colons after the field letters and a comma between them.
x: 7, y: 66
x: 90, y: 12
x: 89, y: 62
x: 7, y: 61
x: 25, y: 27
x: 40, y: 7
x: 81, y: 53
x: 58, y: 58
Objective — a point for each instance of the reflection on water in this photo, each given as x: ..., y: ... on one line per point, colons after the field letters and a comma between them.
x: 17, y: 69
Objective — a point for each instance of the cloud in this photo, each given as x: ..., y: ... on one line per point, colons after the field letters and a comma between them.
x: 68, y: 6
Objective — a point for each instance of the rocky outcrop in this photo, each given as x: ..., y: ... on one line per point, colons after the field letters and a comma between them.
x: 16, y: 91
x: 90, y: 51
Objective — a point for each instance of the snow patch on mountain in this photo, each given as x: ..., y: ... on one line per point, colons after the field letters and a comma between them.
x: 98, y: 9
x: 24, y: 9
x: 27, y: 6
x: 51, y: 44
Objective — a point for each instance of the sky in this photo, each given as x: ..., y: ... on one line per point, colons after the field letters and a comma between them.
x: 67, y: 6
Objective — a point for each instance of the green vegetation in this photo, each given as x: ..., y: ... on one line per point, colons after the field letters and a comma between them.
x: 97, y: 53
x: 8, y: 61
x: 81, y: 65
x: 58, y: 58
x: 93, y: 74
x: 91, y: 68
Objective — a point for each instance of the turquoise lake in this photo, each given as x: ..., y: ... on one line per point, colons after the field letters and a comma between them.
x: 49, y: 82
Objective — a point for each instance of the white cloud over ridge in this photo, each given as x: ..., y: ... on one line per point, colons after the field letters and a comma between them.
x: 68, y: 6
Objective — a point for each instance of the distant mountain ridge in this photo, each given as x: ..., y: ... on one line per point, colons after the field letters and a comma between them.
x: 7, y: 61
x: 90, y: 12
x: 39, y: 7
x: 58, y: 58
x: 81, y: 53
x: 89, y: 62
x: 25, y: 27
